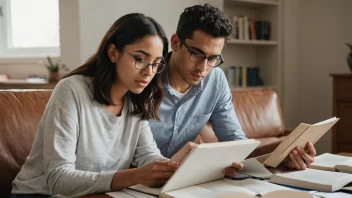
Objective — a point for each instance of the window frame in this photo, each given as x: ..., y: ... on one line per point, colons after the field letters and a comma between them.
x: 5, y: 36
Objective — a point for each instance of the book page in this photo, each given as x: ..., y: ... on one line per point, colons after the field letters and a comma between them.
x: 325, y: 121
x: 328, y: 161
x: 254, y: 168
x: 258, y: 187
x: 345, y: 166
x: 313, y: 179
x: 225, y: 187
x: 126, y: 193
x: 146, y: 189
x: 211, y: 189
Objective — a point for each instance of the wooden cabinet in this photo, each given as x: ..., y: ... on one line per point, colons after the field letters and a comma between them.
x: 342, y: 108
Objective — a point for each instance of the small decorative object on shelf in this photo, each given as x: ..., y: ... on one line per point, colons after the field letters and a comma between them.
x: 349, y: 57
x: 36, y: 79
x: 54, y: 69
x: 4, y: 77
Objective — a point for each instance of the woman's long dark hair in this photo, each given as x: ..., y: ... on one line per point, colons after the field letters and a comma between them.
x: 126, y: 30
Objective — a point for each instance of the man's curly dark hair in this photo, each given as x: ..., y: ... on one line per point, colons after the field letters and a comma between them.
x: 206, y: 18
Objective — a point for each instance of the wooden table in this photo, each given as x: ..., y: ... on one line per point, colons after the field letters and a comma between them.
x: 345, y: 154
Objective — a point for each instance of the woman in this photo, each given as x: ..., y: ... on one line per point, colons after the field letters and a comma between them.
x: 95, y: 123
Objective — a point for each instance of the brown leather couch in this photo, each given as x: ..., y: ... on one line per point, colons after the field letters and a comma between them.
x: 258, y: 111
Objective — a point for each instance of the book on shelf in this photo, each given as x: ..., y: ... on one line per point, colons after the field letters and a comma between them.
x: 262, y: 29
x: 235, y: 27
x: 247, y: 28
x: 205, y: 163
x: 241, y: 76
x: 326, y: 181
x: 299, y: 137
x: 240, y: 28
x: 332, y: 162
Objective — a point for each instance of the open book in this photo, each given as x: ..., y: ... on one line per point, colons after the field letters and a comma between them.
x: 205, y: 163
x: 319, y: 180
x: 226, y: 188
x: 331, y: 162
x: 299, y: 137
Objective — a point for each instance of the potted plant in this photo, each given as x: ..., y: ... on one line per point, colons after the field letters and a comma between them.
x: 349, y: 57
x: 53, y: 68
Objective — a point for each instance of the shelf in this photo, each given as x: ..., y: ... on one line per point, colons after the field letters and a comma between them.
x: 254, y: 88
x: 253, y: 3
x: 252, y: 42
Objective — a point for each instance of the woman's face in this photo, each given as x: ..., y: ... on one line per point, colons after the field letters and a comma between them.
x: 147, y: 50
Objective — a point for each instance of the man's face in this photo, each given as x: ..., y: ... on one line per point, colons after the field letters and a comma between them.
x: 191, y: 71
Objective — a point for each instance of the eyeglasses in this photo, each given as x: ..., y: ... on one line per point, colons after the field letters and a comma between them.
x: 141, y: 63
x: 197, y: 57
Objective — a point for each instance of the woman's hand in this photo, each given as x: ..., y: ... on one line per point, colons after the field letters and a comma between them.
x: 182, y: 153
x: 155, y: 173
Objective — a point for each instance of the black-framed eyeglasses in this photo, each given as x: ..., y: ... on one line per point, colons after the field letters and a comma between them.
x: 141, y: 63
x: 197, y: 57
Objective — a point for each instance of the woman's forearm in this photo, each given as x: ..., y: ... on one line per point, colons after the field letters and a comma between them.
x: 124, y: 178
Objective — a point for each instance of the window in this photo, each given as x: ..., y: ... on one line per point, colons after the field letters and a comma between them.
x: 29, y: 28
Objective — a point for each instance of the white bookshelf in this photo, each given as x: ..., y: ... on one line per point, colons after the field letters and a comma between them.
x: 252, y: 42
x: 265, y: 54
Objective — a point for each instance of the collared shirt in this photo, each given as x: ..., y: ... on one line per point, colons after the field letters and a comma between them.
x: 183, y: 119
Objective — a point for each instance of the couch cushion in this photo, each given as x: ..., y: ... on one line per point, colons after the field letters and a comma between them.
x: 20, y: 115
x: 259, y: 112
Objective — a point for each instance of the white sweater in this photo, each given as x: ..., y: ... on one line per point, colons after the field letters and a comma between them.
x: 79, y: 145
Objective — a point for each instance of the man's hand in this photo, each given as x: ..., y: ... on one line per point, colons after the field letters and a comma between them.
x: 155, y: 173
x: 232, y: 170
x: 299, y: 158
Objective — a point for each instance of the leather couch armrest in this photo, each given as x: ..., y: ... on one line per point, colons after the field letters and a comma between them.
x: 287, y: 131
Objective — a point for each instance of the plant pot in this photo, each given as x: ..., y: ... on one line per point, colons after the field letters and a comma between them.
x: 349, y: 62
x: 54, y: 77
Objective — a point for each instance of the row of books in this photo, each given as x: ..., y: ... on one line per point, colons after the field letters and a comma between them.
x: 246, y: 28
x: 241, y: 76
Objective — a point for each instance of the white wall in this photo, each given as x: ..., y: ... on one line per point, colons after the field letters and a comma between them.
x: 83, y: 24
x: 70, y: 33
x: 315, y: 37
x: 95, y: 19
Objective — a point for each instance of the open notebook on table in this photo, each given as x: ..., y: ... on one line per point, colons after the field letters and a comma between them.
x: 332, y: 162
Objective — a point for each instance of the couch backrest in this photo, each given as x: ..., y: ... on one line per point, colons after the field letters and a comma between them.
x: 20, y: 114
x: 259, y: 112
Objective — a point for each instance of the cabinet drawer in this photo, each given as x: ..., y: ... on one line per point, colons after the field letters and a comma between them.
x: 344, y: 125
x: 344, y: 89
x: 342, y: 147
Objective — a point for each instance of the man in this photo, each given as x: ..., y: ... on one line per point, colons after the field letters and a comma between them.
x: 196, y: 90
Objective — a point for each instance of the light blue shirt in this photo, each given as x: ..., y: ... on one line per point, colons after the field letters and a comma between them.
x: 183, y: 119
